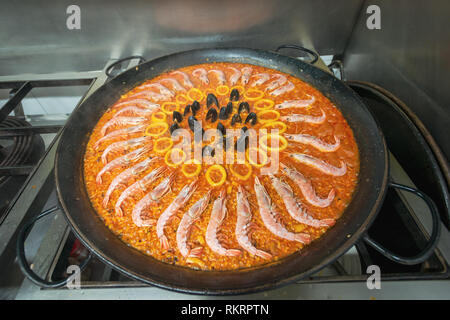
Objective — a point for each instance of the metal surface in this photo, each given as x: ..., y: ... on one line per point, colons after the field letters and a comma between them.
x: 410, y: 140
x: 347, y: 288
x: 15, y: 100
x: 409, y: 56
x: 337, y: 291
x: 42, y: 43
x: 18, y: 131
x: 99, y: 239
x: 38, y: 185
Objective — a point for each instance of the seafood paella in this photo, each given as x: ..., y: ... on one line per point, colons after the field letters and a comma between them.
x: 221, y: 166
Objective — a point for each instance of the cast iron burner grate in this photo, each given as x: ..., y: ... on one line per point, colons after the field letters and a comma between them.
x: 18, y: 155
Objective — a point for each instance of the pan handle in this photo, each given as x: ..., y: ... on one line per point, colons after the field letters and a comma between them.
x: 112, y: 65
x: 300, y: 48
x: 434, y: 238
x: 20, y: 250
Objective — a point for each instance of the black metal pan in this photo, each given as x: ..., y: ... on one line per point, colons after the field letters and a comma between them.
x: 352, y: 226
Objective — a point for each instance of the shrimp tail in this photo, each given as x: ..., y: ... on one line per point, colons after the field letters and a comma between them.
x: 263, y: 254
x: 98, y: 179
x: 328, y: 222
x: 234, y: 252
x: 303, y: 238
x: 119, y: 211
x: 196, y: 252
x: 164, y: 242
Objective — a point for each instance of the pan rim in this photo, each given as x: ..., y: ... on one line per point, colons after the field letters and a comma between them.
x: 219, y: 291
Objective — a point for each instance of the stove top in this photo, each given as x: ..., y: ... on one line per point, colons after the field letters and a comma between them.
x: 403, y: 225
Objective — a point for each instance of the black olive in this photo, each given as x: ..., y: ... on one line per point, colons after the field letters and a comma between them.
x: 244, y: 129
x: 221, y: 128
x: 187, y: 110
x: 174, y: 127
x: 195, y: 106
x: 244, y: 106
x: 229, y: 108
x: 211, y: 114
x: 211, y: 99
x: 177, y: 116
x: 252, y: 118
x: 234, y: 95
x: 223, y: 115
x: 236, y: 118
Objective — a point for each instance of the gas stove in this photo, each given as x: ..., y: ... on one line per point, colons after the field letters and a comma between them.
x: 403, y: 224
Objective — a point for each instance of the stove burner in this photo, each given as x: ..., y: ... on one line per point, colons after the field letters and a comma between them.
x: 16, y: 151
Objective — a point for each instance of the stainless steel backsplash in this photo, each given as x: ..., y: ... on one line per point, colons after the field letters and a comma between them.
x: 34, y: 37
x: 409, y: 56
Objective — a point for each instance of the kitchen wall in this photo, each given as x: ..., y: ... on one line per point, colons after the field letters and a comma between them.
x: 34, y: 37
x: 409, y: 56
